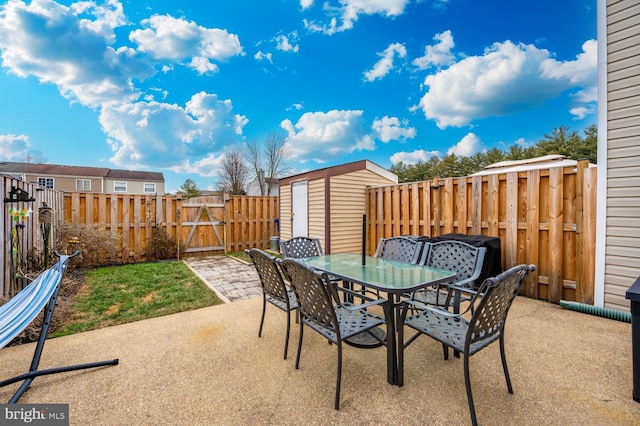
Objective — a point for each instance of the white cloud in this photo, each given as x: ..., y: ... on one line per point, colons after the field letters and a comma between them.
x: 175, y: 39
x: 70, y: 47
x: 438, y: 54
x: 343, y: 17
x: 325, y: 136
x: 583, y: 70
x: 261, y: 56
x: 287, y: 43
x: 468, y: 145
x: 305, y: 4
x: 385, y: 65
x: 507, y: 78
x: 415, y: 157
x: 17, y: 148
x: 390, y: 128
x: 152, y: 133
x: 208, y: 166
x: 49, y: 41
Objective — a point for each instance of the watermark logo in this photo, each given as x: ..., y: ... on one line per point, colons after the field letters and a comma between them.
x: 34, y: 414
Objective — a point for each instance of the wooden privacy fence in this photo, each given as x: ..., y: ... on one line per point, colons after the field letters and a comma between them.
x: 544, y: 217
x: 202, y: 225
x: 18, y: 241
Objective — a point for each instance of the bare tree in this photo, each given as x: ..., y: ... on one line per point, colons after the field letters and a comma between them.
x: 252, y: 153
x: 234, y: 174
x: 267, y: 162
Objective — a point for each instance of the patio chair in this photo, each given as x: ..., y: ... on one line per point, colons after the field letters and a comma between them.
x: 22, y: 309
x: 402, y: 249
x: 299, y: 247
x: 492, y: 303
x: 462, y: 258
x: 274, y: 289
x: 318, y: 311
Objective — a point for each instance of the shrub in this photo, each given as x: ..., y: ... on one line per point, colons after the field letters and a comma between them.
x: 96, y: 246
x: 162, y: 246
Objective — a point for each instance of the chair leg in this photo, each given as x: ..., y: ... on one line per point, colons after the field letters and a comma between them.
x: 400, y: 349
x: 445, y: 350
x: 339, y: 375
x: 299, y: 344
x: 286, y: 339
x: 467, y: 384
x: 264, y: 307
x: 504, y: 364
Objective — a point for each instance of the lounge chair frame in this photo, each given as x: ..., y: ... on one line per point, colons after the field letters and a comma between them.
x: 21, y: 310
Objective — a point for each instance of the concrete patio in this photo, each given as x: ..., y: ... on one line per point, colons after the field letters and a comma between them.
x: 208, y: 367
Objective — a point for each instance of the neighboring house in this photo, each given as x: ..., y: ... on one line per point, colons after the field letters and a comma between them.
x: 618, y: 225
x: 253, y: 188
x: 86, y: 179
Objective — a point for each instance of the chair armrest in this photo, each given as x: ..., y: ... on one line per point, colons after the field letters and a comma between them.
x: 434, y: 309
x: 357, y: 294
x: 370, y: 300
x: 364, y: 305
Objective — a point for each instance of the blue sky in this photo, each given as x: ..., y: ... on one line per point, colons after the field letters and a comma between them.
x: 171, y: 86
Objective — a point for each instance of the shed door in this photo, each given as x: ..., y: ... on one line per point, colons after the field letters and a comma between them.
x: 299, y: 207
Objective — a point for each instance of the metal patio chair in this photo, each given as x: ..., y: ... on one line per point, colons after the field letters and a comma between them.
x: 492, y: 303
x: 274, y: 289
x: 318, y: 311
x: 462, y: 258
x: 402, y: 249
x: 299, y: 247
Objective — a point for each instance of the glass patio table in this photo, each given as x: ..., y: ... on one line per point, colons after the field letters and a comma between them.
x: 387, y: 276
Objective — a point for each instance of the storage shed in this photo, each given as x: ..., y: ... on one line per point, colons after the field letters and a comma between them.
x: 329, y: 203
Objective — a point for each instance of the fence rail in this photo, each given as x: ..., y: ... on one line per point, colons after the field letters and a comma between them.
x: 545, y: 217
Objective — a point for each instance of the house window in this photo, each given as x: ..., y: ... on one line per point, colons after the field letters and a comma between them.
x: 45, y: 182
x: 83, y: 185
x: 119, y: 186
x: 149, y: 188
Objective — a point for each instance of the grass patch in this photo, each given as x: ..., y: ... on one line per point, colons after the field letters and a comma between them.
x: 121, y: 294
x: 240, y: 255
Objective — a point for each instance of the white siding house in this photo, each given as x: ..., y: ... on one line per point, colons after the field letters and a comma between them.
x: 618, y: 239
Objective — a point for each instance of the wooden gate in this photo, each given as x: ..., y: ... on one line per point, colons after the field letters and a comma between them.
x: 203, y: 225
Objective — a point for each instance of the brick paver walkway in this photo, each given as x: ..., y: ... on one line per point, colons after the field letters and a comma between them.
x: 230, y: 278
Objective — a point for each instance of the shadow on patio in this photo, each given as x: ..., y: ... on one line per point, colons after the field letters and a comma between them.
x: 208, y: 366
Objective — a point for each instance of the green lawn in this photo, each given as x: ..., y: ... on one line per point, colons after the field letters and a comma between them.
x: 121, y: 294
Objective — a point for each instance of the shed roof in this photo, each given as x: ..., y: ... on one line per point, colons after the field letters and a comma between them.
x: 340, y: 170
x: 537, y: 163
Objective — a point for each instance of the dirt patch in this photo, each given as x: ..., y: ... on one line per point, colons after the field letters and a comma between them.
x: 72, y: 281
x: 149, y: 297
x: 113, y: 309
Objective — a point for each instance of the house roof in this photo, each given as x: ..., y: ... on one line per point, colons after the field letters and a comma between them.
x: 97, y: 172
x: 9, y: 167
x: 134, y: 175
x: 54, y: 169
